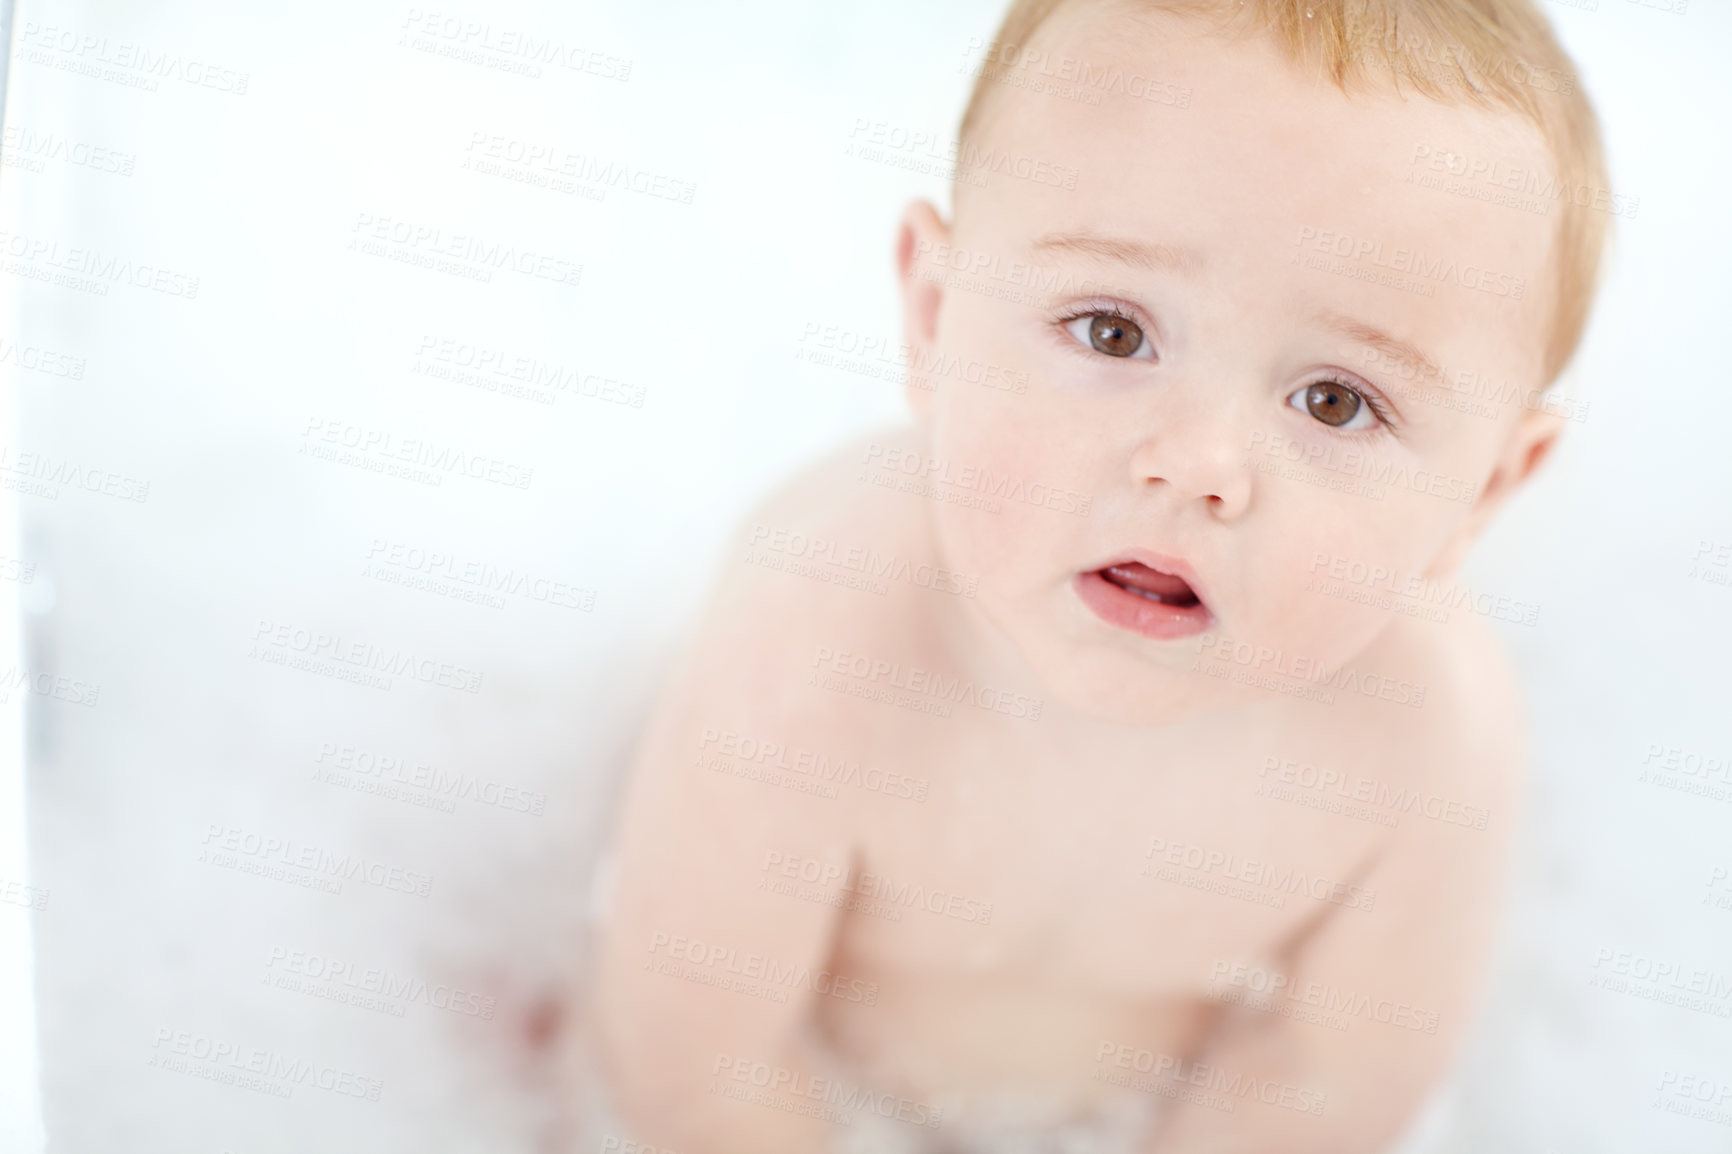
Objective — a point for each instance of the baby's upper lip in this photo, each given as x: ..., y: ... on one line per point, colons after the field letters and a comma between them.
x: 1161, y: 562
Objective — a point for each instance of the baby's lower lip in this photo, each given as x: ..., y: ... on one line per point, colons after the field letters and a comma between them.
x: 1144, y: 601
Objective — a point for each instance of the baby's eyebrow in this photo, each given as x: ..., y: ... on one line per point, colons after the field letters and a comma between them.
x: 1404, y: 351
x: 1155, y: 257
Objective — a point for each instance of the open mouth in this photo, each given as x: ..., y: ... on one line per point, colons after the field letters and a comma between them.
x: 1138, y: 578
x: 1144, y: 599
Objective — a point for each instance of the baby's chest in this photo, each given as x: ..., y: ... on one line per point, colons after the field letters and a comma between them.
x: 1141, y: 892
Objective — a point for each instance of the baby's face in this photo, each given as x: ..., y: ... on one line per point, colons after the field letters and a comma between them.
x: 1217, y: 327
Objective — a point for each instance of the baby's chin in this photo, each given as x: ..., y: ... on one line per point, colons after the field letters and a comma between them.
x: 1180, y: 681
x: 1145, y: 695
x: 1101, y: 682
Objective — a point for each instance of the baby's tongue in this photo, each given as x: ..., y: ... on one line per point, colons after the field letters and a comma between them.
x: 1136, y: 575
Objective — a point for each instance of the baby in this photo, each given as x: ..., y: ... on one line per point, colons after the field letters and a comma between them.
x: 1110, y: 760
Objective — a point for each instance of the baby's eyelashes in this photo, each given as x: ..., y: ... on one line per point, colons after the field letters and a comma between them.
x: 1339, y: 405
x: 1112, y: 334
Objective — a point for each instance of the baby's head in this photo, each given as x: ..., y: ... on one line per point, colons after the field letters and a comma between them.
x: 1279, y: 288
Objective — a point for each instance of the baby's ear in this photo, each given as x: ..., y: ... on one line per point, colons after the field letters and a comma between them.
x: 921, y: 242
x: 1532, y: 440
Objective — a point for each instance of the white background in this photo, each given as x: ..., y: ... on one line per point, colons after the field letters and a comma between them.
x: 702, y: 307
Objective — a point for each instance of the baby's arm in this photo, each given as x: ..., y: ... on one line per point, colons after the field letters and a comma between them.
x: 700, y: 972
x: 1403, y: 975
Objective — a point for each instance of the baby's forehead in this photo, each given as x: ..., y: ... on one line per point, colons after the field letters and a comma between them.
x: 1095, y: 64
x: 1258, y: 145
x: 1261, y: 167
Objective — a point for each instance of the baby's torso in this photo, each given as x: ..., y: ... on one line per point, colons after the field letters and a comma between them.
x: 1053, y: 914
x: 1036, y: 913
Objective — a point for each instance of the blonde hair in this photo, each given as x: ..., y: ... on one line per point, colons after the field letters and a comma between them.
x: 1497, y: 54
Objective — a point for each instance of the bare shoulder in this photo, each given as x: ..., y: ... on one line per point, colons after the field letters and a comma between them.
x: 834, y: 499
x: 1489, y: 708
x: 738, y: 764
x: 823, y: 551
x: 733, y: 759
x: 1470, y: 740
x: 802, y: 573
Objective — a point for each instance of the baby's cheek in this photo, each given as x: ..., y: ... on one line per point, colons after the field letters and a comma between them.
x: 998, y: 446
x: 1007, y: 543
x: 1323, y: 626
x: 1007, y: 496
x: 1323, y: 595
x: 1361, y: 569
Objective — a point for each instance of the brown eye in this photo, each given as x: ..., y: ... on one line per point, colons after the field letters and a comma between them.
x: 1115, y: 336
x: 1331, y: 402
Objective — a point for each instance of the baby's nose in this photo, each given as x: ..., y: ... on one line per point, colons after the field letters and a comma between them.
x: 1196, y: 453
